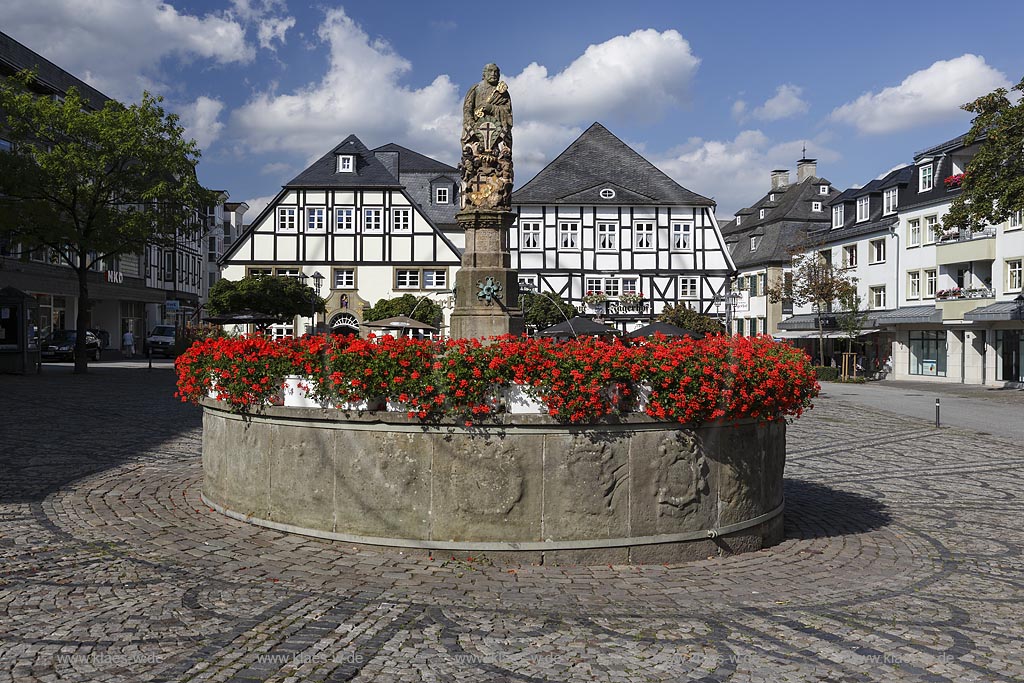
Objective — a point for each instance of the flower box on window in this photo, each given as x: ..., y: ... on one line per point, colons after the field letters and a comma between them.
x: 954, y: 181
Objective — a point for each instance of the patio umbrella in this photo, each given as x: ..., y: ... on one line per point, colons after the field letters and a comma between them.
x: 666, y: 329
x: 244, y: 317
x: 579, y: 327
x: 399, y: 322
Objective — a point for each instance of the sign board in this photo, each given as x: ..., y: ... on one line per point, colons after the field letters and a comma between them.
x: 929, y: 367
x: 115, y: 277
x: 172, y: 305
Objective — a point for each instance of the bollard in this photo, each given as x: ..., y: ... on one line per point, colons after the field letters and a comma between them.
x: 936, y: 412
x: 149, y: 353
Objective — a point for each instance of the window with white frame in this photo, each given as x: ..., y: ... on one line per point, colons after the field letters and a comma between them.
x: 607, y: 237
x: 594, y: 285
x: 435, y: 279
x: 739, y: 220
x: 890, y: 200
x: 877, y: 296
x: 914, y: 285
x: 863, y: 206
x: 760, y: 214
x: 837, y: 216
x: 914, y: 232
x: 925, y: 178
x: 407, y: 279
x: 345, y: 219
x: 568, y: 236
x: 316, y: 219
x: 401, y: 220
x: 850, y: 256
x: 931, y: 229
x: 344, y: 278
x: 822, y: 189
x: 607, y: 193
x: 755, y: 240
x: 1013, y: 275
x: 442, y: 195
x: 346, y: 163
x: 258, y: 272
x: 688, y: 287
x: 287, y: 272
x: 529, y: 235
x: 682, y: 236
x: 373, y: 220
x: 929, y: 283
x: 281, y: 331
x: 631, y: 285
x: 643, y: 236
x: 287, y: 219
x: 877, y: 250
x: 816, y: 206
x: 1014, y: 221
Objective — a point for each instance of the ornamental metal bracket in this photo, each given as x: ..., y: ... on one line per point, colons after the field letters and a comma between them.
x: 489, y: 290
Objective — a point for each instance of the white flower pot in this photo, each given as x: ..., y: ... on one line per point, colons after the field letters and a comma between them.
x: 362, y: 406
x: 518, y: 402
x: 643, y: 397
x: 297, y: 392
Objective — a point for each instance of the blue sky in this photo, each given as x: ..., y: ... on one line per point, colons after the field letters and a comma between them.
x: 715, y: 94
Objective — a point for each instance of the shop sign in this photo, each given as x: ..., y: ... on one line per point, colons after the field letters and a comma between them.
x: 172, y: 305
x: 115, y: 277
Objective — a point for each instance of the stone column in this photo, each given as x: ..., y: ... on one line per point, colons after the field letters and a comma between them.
x: 486, y: 287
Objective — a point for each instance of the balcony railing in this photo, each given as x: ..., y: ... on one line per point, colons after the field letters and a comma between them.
x: 970, y: 293
x: 966, y: 235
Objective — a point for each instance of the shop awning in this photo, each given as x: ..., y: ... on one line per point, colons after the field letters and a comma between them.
x: 813, y: 334
x: 1001, y: 310
x: 908, y: 315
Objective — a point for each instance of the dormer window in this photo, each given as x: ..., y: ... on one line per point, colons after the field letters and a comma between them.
x: 754, y: 241
x: 771, y: 197
x: 739, y: 219
x: 346, y: 163
x: 822, y: 189
x: 925, y: 178
x: 761, y: 214
x: 441, y: 195
x: 837, y: 216
x: 816, y: 206
x: 862, y: 208
x: 607, y: 193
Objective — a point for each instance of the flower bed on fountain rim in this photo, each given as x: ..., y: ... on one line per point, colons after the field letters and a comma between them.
x: 580, y: 381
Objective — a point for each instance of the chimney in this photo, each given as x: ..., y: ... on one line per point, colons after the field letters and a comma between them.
x: 806, y: 168
x: 780, y: 178
x: 390, y: 161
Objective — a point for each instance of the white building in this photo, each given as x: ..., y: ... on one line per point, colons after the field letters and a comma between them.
x: 603, y: 220
x: 353, y: 221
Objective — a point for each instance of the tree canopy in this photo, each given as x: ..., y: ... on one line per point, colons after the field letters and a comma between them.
x: 681, y: 315
x: 273, y: 295
x: 541, y: 311
x: 89, y: 185
x: 420, y: 308
x: 993, y: 185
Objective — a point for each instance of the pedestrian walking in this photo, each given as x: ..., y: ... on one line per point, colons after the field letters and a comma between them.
x: 128, y: 344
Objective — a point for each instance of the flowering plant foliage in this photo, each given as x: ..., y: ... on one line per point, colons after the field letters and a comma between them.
x: 631, y: 298
x: 955, y: 180
x: 690, y: 381
x: 593, y: 298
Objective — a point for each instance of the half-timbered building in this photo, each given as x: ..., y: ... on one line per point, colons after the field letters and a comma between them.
x: 600, y: 225
x: 350, y: 219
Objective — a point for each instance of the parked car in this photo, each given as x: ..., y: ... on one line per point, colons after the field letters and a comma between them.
x: 61, y: 345
x: 161, y: 340
x: 102, y: 335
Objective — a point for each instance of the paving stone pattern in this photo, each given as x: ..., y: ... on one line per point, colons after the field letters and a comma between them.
x: 902, y: 562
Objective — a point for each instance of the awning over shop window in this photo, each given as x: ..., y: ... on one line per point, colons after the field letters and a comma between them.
x: 908, y: 315
x: 1001, y: 310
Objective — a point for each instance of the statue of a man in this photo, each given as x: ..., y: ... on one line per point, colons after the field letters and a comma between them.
x: 487, y: 144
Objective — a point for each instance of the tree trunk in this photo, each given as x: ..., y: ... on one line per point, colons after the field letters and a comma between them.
x: 82, y: 321
x: 821, y: 341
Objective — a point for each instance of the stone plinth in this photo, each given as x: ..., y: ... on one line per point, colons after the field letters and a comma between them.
x: 524, y: 489
x: 486, y: 260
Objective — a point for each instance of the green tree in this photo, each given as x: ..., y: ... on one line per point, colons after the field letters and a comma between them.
x: 681, y: 315
x: 853, y: 318
x: 993, y: 185
x: 815, y: 282
x: 273, y: 295
x: 91, y: 185
x: 542, y: 310
x: 420, y: 308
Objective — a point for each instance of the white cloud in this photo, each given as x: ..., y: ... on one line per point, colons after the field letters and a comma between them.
x: 736, y: 171
x: 274, y: 28
x: 117, y: 46
x: 739, y: 110
x: 632, y: 76
x: 635, y: 76
x: 256, y: 205
x: 201, y: 120
x: 785, y: 103
x: 277, y: 168
x: 927, y: 96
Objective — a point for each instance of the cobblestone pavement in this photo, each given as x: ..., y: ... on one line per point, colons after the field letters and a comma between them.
x: 902, y: 562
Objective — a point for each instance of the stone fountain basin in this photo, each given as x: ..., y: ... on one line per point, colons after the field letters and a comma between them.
x: 521, y: 489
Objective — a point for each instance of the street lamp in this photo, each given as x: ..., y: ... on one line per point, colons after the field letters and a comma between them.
x: 1019, y: 303
x: 318, y: 281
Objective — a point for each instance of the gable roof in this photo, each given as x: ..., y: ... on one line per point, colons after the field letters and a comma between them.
x: 369, y: 171
x: 793, y: 203
x: 595, y: 160
x: 414, y: 162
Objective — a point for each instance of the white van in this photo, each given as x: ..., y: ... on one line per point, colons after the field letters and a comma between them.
x: 161, y: 340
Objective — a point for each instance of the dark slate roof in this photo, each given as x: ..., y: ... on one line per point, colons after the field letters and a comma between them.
x: 910, y: 314
x: 778, y: 242
x: 369, y: 171
x: 14, y: 57
x: 414, y: 162
x: 598, y: 159
x: 826, y: 234
x: 942, y: 147
x: 1001, y: 310
x: 792, y: 203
